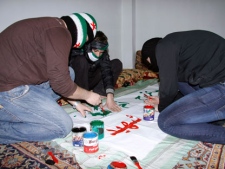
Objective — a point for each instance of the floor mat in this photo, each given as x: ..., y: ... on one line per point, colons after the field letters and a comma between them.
x: 34, y: 155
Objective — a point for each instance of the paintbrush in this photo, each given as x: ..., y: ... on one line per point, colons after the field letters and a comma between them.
x: 134, y: 159
x: 53, y: 157
x: 101, y: 107
x: 103, y: 110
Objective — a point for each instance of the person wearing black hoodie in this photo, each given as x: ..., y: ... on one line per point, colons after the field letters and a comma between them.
x: 191, y: 63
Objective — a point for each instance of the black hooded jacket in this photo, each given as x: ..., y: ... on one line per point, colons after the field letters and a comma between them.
x: 103, y: 64
x: 196, y: 57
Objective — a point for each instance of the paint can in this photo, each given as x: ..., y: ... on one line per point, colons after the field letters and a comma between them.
x: 117, y: 165
x: 77, y: 136
x: 90, y: 142
x: 149, y: 113
x: 98, y: 127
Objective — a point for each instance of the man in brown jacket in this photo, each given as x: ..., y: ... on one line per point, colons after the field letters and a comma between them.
x: 34, y: 74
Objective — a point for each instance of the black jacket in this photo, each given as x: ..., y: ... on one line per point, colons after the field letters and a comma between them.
x: 196, y: 57
x: 103, y: 64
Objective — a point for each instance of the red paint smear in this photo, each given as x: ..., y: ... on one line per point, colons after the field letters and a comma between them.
x: 130, y: 116
x: 118, y: 164
x: 101, y: 156
x: 148, y: 107
x: 131, y: 125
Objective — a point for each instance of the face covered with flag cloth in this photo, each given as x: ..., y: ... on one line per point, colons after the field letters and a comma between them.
x: 97, y: 47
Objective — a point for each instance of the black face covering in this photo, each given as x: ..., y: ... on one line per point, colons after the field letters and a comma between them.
x: 148, y: 50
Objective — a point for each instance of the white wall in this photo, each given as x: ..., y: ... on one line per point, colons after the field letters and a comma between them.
x: 107, y: 14
x: 127, y: 32
x: 127, y: 23
x: 157, y: 18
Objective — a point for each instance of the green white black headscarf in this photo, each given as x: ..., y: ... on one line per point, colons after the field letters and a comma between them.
x: 80, y: 26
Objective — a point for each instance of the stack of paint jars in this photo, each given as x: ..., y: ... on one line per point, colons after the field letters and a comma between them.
x: 89, y: 140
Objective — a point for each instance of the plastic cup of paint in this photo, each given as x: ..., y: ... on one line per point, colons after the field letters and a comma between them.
x: 98, y: 127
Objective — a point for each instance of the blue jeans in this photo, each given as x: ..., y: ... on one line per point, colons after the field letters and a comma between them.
x: 31, y: 113
x: 190, y: 117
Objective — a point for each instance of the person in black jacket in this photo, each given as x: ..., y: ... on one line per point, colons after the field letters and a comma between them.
x: 95, y: 71
x: 191, y: 63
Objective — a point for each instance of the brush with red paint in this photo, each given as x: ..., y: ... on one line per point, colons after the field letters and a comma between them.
x: 51, y: 161
x: 103, y: 110
x: 134, y: 159
x: 101, y: 107
x: 53, y: 157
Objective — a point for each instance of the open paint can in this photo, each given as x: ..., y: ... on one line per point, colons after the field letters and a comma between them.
x: 148, y: 113
x: 90, y: 142
x: 98, y: 127
x: 77, y: 136
x: 117, y: 165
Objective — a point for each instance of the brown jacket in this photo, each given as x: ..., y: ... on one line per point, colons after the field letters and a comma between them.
x: 33, y: 51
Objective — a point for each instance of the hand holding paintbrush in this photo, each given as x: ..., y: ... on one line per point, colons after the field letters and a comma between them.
x: 152, y: 100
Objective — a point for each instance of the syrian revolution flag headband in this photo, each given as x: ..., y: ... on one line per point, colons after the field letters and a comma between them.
x: 80, y: 26
x: 92, y: 25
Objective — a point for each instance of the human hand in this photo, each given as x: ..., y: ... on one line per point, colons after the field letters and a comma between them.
x: 111, y: 104
x: 94, y: 98
x: 151, y: 100
x: 82, y: 108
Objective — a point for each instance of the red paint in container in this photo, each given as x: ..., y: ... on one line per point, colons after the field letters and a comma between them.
x: 149, y: 113
x: 117, y: 165
x: 90, y: 142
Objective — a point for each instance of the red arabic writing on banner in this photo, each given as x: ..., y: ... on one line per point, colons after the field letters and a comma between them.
x: 126, y: 126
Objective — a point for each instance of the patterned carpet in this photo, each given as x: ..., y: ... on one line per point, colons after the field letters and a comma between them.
x: 203, y: 156
x: 33, y: 156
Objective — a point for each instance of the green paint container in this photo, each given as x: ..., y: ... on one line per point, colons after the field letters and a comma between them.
x: 98, y: 127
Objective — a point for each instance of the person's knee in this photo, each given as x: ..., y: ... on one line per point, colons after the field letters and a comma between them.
x: 118, y: 64
x: 163, y: 123
x: 62, y: 127
x: 58, y: 129
x: 160, y: 122
x: 68, y: 125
